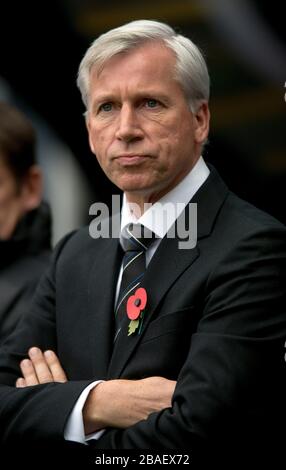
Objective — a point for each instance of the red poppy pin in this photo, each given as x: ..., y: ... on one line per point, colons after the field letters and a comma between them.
x: 135, y: 309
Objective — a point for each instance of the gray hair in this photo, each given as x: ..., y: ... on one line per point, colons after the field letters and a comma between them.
x: 190, y: 70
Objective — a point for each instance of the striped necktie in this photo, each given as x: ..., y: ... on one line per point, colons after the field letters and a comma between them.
x: 135, y: 240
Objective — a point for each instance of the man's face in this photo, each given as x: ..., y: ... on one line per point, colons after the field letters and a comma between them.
x: 11, y: 203
x: 140, y: 126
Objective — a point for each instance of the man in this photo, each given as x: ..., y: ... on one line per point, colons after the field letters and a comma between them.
x: 24, y: 220
x: 203, y: 363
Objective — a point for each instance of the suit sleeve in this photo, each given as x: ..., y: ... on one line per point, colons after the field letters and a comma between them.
x: 37, y: 413
x: 231, y: 388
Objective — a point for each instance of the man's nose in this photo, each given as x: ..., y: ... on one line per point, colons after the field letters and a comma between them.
x: 128, y: 125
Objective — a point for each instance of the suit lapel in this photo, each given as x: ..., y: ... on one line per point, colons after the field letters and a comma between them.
x: 168, y: 263
x: 209, y: 199
x: 101, y: 293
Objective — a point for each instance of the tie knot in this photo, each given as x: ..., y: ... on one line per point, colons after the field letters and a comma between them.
x: 136, y: 237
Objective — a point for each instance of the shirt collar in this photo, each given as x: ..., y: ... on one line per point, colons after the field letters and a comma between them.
x: 161, y: 216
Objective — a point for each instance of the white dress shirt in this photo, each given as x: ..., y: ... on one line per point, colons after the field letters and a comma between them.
x: 159, y: 220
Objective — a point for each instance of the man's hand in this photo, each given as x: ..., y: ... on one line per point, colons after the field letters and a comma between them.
x: 41, y: 368
x: 122, y: 403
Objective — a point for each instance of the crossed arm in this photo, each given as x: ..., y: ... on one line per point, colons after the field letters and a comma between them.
x: 114, y: 403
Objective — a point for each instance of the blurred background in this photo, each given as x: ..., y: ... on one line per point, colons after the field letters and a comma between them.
x: 42, y: 43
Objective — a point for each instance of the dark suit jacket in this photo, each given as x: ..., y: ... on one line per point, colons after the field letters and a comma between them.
x: 215, y: 321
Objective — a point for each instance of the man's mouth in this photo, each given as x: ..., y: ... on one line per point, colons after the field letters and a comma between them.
x: 131, y: 159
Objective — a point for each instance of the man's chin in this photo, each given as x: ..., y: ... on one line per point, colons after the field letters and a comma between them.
x: 134, y: 184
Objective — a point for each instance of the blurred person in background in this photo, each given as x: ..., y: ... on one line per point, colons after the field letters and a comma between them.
x: 25, y: 222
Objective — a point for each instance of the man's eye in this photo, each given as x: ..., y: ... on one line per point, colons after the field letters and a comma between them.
x: 105, y: 107
x: 151, y: 103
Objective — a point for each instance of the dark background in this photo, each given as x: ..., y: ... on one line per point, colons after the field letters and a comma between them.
x: 243, y: 41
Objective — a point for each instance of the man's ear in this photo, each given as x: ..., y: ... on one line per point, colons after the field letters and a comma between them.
x: 32, y: 188
x: 202, y: 120
x: 88, y: 126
